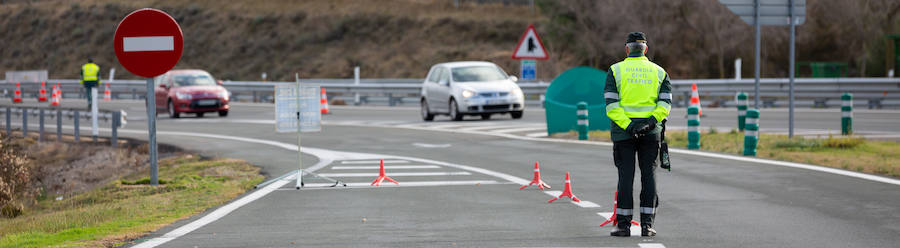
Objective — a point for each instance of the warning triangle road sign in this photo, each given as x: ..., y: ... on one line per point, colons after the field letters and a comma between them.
x: 530, y: 46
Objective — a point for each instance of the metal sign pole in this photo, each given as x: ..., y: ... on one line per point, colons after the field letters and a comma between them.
x: 791, y: 71
x: 299, y: 154
x: 756, y: 70
x: 151, y: 126
x: 94, y: 126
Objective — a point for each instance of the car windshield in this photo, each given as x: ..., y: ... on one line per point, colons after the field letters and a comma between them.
x: 192, y: 80
x: 477, y: 74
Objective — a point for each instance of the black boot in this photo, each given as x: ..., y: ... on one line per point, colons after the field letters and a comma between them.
x: 622, y: 229
x: 647, y: 225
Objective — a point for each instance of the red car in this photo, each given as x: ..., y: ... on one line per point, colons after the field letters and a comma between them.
x: 190, y: 91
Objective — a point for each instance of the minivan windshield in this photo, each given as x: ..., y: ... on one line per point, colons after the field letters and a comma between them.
x: 477, y: 74
x: 193, y: 79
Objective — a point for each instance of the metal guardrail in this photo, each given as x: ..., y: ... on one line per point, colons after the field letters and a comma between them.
x: 809, y: 92
x: 115, y: 118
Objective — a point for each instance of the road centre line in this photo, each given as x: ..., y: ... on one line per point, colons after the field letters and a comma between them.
x: 398, y: 174
x: 386, y: 167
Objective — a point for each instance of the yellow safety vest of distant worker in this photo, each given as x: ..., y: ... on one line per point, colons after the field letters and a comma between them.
x: 90, y: 77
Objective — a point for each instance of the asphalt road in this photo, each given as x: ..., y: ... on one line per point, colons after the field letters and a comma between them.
x: 459, y: 186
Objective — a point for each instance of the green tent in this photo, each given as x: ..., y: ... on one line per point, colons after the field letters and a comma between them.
x: 572, y: 86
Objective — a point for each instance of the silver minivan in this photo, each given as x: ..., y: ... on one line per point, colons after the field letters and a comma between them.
x: 470, y: 88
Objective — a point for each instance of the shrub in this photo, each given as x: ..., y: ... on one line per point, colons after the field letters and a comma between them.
x: 15, y: 180
x: 843, y: 142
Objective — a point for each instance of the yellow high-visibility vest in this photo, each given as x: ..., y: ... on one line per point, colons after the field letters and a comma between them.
x: 89, y: 72
x: 638, y: 81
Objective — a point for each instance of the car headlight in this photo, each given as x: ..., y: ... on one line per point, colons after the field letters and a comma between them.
x: 468, y: 93
x: 185, y: 96
x: 516, y: 92
x: 224, y: 94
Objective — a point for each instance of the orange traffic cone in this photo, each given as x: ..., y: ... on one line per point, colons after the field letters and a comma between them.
x: 42, y: 96
x: 537, y: 179
x: 54, y: 97
x: 381, y: 176
x: 567, y: 191
x: 613, y: 218
x: 17, y: 95
x: 695, y: 99
x: 324, y: 102
x: 106, y: 95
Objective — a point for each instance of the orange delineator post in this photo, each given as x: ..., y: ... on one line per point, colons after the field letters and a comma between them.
x: 324, y: 102
x: 106, y: 94
x: 382, y: 176
x: 42, y: 96
x: 567, y: 191
x: 17, y: 95
x: 613, y: 218
x: 695, y: 99
x: 537, y: 179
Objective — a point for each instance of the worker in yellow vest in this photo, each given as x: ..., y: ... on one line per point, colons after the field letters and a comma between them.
x: 90, y: 78
x: 638, y: 99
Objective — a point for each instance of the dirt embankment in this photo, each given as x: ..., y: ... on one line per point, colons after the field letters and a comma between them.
x: 62, y: 169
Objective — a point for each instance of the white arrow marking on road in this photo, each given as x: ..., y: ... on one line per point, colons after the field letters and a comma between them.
x: 148, y: 43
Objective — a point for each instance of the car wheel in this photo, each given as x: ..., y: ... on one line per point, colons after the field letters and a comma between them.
x: 426, y: 115
x: 171, y: 110
x: 516, y: 114
x: 223, y: 113
x: 485, y: 116
x: 200, y: 115
x: 454, y: 111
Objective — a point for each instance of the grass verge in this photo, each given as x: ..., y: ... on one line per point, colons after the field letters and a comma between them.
x: 849, y: 153
x: 117, y: 212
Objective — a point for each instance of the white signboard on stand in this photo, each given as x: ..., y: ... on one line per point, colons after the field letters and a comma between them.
x: 286, y: 100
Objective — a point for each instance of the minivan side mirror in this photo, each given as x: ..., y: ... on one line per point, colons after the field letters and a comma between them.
x: 445, y: 82
x: 219, y: 82
x: 513, y: 78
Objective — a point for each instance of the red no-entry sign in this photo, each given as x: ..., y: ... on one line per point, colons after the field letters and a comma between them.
x: 148, y: 42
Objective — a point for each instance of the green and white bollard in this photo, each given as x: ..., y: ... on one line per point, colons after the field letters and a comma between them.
x: 751, y: 132
x: 582, y: 113
x: 741, y: 101
x: 693, y: 127
x: 847, y: 114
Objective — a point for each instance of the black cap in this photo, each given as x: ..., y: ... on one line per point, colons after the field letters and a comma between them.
x: 636, y: 37
x: 90, y: 60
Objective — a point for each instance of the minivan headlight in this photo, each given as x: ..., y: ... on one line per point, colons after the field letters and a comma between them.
x: 468, y: 93
x: 517, y: 93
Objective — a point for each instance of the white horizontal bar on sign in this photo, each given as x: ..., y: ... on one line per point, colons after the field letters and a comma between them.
x: 148, y: 43
x: 386, y: 167
x: 398, y: 174
x: 374, y: 162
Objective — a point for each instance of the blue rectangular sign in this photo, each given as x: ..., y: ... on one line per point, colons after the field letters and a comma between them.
x: 529, y: 70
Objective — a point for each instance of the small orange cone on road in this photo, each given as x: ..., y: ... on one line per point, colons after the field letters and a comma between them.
x: 567, y: 191
x: 381, y: 176
x: 54, y: 98
x: 106, y: 94
x: 324, y: 102
x: 17, y: 95
x: 695, y: 99
x: 42, y: 96
x: 537, y: 179
x: 613, y: 218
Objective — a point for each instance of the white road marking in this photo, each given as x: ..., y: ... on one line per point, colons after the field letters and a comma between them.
x: 651, y: 245
x: 488, y: 127
x: 148, y: 43
x: 513, y: 130
x: 403, y: 184
x: 375, y: 162
x: 635, y: 229
x: 583, y: 203
x: 424, y: 145
x: 398, y: 174
x: 535, y: 135
x: 386, y: 167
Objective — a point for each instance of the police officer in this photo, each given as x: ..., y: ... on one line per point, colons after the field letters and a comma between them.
x: 90, y: 77
x: 638, y: 98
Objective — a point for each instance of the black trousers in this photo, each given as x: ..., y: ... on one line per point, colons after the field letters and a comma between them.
x: 646, y: 150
